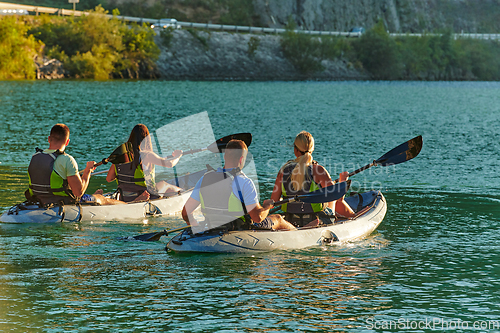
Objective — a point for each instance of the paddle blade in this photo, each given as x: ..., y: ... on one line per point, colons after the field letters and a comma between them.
x: 219, y: 145
x: 122, y: 154
x: 155, y: 236
x: 402, y: 153
x: 150, y: 237
x: 327, y: 194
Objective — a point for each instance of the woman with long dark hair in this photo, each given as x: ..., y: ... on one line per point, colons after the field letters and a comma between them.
x: 136, y: 179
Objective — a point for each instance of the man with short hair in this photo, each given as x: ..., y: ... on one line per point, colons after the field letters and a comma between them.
x: 227, y: 195
x: 53, y: 174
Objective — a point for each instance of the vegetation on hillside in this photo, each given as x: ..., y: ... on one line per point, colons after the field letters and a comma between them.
x: 430, y: 57
x: 94, y: 46
x: 17, y: 49
x: 91, y: 46
x: 235, y: 12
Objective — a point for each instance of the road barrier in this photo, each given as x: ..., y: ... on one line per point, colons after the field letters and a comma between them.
x: 224, y: 27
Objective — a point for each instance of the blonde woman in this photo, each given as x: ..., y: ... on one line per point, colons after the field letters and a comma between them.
x: 303, y: 175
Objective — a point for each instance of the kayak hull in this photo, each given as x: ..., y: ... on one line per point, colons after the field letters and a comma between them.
x: 74, y: 213
x: 23, y: 213
x: 247, y: 241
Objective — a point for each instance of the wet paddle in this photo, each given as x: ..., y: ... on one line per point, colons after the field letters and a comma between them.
x: 154, y: 236
x: 327, y: 194
x: 402, y: 153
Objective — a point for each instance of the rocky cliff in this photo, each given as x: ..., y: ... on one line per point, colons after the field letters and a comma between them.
x: 470, y: 16
x: 204, y: 55
x: 398, y: 15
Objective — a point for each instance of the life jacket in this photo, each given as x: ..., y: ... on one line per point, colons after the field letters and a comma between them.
x: 287, y: 190
x: 220, y: 206
x: 45, y: 184
x: 131, y: 182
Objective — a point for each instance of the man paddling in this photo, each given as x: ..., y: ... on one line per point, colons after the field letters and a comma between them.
x: 227, y: 197
x: 54, y: 177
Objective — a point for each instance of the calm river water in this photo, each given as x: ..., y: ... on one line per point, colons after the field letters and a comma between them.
x: 432, y: 265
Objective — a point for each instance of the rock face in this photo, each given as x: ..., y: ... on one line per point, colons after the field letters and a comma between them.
x: 49, y: 69
x: 230, y: 56
x: 407, y: 16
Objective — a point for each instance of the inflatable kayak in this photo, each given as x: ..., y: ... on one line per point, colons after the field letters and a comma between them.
x: 31, y: 213
x: 370, y: 207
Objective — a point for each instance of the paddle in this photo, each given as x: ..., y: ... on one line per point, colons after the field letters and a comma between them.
x: 327, y: 194
x: 220, y: 144
x: 154, y: 236
x: 402, y: 153
x: 122, y: 154
x: 215, y: 147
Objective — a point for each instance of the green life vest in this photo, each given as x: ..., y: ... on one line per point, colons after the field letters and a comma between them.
x: 219, y: 204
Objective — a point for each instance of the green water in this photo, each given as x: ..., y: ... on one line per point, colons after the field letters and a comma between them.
x: 432, y: 264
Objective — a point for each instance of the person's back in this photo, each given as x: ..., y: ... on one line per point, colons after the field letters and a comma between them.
x: 45, y: 183
x: 53, y: 174
x: 223, y: 195
x: 136, y: 179
x: 228, y: 198
x: 304, y: 175
x: 291, y: 189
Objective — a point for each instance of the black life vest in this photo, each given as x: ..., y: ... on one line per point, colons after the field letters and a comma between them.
x: 131, y: 181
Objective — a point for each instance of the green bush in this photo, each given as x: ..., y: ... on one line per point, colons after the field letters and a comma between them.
x: 94, y: 46
x: 379, y: 53
x: 201, y: 39
x: 17, y: 49
x: 300, y: 50
x: 238, y: 12
x: 253, y: 45
x: 140, y: 52
x: 480, y: 58
x: 166, y: 36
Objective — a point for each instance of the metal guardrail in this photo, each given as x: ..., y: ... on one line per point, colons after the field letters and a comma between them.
x: 59, y: 11
x: 455, y: 36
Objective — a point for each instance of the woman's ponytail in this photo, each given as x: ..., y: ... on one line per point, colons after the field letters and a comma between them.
x: 304, y: 143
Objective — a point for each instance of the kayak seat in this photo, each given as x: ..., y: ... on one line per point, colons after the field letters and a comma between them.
x: 358, y: 201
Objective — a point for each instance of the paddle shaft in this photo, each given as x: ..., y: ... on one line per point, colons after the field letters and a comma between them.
x: 402, y: 153
x: 154, y: 236
x: 104, y: 161
x: 188, y: 152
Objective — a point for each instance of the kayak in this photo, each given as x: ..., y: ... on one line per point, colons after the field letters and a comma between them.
x: 31, y: 213
x: 370, y: 208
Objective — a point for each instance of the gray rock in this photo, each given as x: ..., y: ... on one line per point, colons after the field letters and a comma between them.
x: 49, y: 69
x: 227, y: 57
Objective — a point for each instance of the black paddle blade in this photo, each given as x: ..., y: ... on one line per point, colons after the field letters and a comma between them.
x: 150, y: 237
x: 155, y: 236
x: 219, y: 145
x: 122, y: 154
x: 327, y: 194
x: 402, y: 153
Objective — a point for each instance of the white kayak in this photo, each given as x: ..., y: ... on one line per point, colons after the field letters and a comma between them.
x: 32, y: 213
x: 370, y: 207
